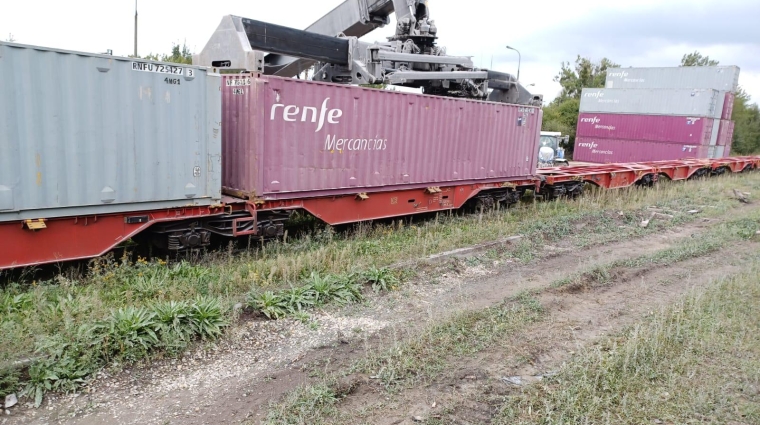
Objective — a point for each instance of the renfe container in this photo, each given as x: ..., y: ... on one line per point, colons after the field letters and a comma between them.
x: 653, y: 128
x: 85, y: 134
x: 725, y: 133
x: 605, y: 151
x: 287, y: 138
x: 728, y: 106
x: 721, y: 78
x: 684, y: 102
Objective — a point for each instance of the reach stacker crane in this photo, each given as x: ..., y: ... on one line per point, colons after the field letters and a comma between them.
x: 331, y: 45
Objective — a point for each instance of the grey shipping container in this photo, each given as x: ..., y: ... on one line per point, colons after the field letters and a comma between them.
x: 705, y: 103
x: 722, y: 78
x: 85, y: 134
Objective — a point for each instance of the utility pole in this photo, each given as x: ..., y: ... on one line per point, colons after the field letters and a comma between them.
x: 135, y: 28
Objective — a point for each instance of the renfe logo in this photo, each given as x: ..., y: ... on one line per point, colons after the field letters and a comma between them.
x: 594, y: 120
x: 621, y: 74
x: 595, y: 94
x: 293, y: 113
x: 290, y: 113
x: 590, y: 145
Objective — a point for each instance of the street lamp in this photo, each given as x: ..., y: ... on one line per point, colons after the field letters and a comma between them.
x: 519, y: 59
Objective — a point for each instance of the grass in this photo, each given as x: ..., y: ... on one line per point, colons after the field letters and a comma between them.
x: 421, y: 357
x: 34, y: 312
x: 410, y: 362
x: 127, y: 335
x: 696, y: 362
x: 319, y: 290
x: 716, y: 238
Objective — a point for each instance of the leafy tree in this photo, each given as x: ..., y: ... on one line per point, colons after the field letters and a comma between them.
x: 562, y: 116
x: 179, y: 54
x: 562, y: 113
x: 747, y: 129
x: 584, y: 74
x: 696, y: 59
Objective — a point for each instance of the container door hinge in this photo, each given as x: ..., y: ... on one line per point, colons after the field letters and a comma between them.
x: 432, y: 190
x: 37, y: 224
x: 362, y: 196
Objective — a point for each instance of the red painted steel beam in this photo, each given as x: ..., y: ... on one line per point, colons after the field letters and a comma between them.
x: 378, y: 205
x: 76, y: 238
x: 611, y: 176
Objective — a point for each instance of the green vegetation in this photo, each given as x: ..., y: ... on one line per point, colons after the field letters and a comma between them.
x: 696, y: 59
x: 179, y: 54
x: 319, y: 290
x: 425, y: 355
x: 562, y: 113
x: 127, y: 335
x: 109, y: 313
x: 411, y: 361
x: 716, y: 238
x: 697, y: 362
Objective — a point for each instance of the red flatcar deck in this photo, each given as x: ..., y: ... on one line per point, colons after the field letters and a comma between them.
x: 34, y: 242
x: 613, y: 176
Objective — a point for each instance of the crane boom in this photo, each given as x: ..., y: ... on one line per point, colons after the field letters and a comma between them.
x: 331, y: 45
x: 352, y: 18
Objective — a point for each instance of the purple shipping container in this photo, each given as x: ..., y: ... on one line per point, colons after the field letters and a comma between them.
x: 726, y: 133
x: 652, y: 128
x: 606, y: 151
x: 728, y: 106
x: 287, y: 138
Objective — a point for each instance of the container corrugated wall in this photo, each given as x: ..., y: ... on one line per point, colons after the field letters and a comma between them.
x: 684, y: 102
x: 606, y: 151
x: 722, y: 78
x: 92, y: 134
x: 654, y: 128
x: 287, y: 138
x: 728, y: 106
x: 726, y: 133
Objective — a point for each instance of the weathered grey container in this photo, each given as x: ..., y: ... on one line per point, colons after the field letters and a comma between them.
x: 722, y: 78
x: 683, y: 102
x: 88, y: 134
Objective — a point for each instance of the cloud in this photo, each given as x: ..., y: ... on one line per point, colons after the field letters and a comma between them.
x: 653, y: 35
x: 547, y: 32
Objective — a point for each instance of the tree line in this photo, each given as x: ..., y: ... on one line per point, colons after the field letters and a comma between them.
x: 561, y: 114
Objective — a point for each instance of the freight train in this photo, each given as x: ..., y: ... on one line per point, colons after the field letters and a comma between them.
x: 96, y: 150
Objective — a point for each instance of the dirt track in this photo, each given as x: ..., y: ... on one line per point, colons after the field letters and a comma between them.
x: 264, y: 360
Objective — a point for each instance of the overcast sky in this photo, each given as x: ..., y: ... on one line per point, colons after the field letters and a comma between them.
x: 641, y: 33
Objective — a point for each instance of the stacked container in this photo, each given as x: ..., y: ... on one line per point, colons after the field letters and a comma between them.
x: 647, y: 114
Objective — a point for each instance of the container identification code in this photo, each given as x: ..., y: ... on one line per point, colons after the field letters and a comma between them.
x: 162, y: 69
x: 237, y: 82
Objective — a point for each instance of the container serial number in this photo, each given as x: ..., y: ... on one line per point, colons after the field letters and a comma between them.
x: 162, y: 69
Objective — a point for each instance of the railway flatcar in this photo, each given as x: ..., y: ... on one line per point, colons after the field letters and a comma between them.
x: 96, y: 149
